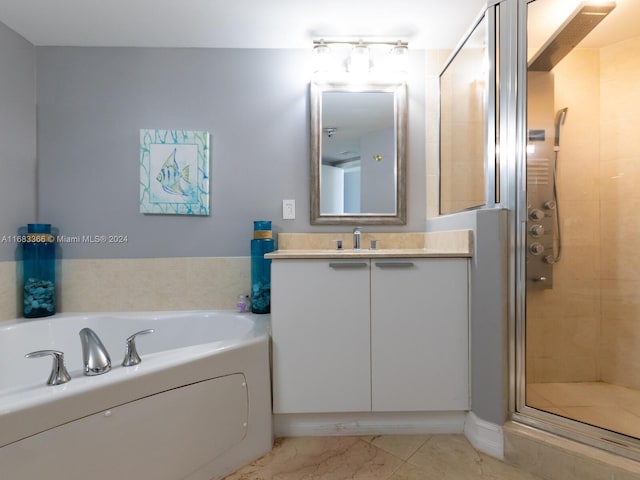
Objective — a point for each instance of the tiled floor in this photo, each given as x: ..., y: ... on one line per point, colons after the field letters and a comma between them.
x: 388, y: 457
x: 596, y: 403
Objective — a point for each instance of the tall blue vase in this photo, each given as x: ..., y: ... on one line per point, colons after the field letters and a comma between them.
x: 261, y: 267
x: 38, y: 271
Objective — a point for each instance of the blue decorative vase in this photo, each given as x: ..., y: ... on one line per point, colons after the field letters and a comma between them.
x: 38, y: 271
x: 261, y: 267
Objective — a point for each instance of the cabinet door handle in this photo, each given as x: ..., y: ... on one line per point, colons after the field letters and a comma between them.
x: 348, y: 264
x: 394, y: 264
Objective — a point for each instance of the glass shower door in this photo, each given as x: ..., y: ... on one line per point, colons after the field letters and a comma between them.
x: 582, y: 358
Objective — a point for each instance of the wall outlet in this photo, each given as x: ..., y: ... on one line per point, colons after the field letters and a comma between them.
x: 288, y: 209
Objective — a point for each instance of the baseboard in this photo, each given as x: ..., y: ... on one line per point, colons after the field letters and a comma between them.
x: 484, y: 436
x: 367, y: 423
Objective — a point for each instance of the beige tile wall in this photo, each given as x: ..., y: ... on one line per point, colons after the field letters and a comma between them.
x: 435, y: 60
x: 563, y: 323
x: 89, y: 285
x: 619, y: 207
x: 588, y: 326
x: 462, y: 120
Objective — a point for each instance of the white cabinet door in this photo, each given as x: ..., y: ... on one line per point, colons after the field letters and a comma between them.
x: 419, y: 334
x: 320, y: 320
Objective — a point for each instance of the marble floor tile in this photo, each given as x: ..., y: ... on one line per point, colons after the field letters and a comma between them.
x: 401, y: 446
x: 321, y: 458
x: 380, y: 457
x: 447, y: 457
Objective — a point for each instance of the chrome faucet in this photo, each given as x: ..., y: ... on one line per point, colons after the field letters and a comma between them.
x: 356, y: 238
x: 59, y: 373
x: 94, y: 355
x: 131, y: 356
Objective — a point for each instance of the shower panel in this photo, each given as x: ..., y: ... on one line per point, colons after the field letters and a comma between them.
x: 544, y: 234
x: 542, y: 222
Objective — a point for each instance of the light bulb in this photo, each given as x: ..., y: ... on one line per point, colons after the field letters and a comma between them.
x: 322, y: 57
x: 399, y: 58
x: 359, y: 59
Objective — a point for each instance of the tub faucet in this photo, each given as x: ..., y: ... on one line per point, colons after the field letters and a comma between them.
x: 59, y: 373
x: 94, y: 355
x: 131, y: 356
x: 356, y: 238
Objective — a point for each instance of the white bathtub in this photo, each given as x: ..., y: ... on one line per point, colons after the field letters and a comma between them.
x: 196, y: 408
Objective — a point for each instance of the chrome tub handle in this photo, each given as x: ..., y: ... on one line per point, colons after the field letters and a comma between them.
x: 59, y: 374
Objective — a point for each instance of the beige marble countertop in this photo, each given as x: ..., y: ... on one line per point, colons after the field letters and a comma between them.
x: 363, y: 253
x: 457, y: 243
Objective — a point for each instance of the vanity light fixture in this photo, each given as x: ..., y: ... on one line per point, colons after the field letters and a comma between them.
x: 359, y: 60
x: 360, y: 57
x: 399, y: 57
x: 322, y: 57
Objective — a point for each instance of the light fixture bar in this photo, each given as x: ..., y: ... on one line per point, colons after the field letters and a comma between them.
x: 353, y: 42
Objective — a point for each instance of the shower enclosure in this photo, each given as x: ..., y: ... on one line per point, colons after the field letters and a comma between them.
x: 580, y: 314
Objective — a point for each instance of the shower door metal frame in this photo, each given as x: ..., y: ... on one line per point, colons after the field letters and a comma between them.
x: 513, y: 121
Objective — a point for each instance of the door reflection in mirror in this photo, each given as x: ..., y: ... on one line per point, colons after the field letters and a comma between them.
x: 358, y: 153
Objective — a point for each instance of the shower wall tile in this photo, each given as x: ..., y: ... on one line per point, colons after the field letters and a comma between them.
x: 562, y: 332
x: 620, y: 236
x: 620, y: 337
x: 620, y: 232
x: 563, y: 323
x: 435, y: 60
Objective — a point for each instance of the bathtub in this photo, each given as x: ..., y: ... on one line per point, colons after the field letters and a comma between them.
x: 196, y: 408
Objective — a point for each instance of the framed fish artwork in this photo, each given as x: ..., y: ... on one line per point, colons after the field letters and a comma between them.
x: 174, y: 172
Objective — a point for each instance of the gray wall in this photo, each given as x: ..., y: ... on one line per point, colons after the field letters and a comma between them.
x: 93, y: 101
x: 17, y: 136
x: 489, y: 297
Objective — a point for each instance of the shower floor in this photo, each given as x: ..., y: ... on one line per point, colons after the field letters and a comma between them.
x: 601, y: 404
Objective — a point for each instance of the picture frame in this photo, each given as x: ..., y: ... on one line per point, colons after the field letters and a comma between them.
x: 174, y: 172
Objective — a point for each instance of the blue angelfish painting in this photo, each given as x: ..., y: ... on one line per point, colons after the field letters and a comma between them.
x: 171, y: 177
x: 174, y: 172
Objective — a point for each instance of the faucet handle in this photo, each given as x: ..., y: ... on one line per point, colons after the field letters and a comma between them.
x: 59, y: 374
x: 131, y: 356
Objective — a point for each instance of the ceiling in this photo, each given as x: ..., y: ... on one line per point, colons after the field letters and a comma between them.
x: 237, y: 23
x: 278, y: 23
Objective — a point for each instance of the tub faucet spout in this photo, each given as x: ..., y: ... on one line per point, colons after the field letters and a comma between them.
x: 94, y: 354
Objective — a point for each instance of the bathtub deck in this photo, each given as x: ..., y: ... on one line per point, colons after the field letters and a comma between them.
x: 389, y: 457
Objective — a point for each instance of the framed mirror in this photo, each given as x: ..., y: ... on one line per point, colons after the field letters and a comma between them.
x: 358, y: 150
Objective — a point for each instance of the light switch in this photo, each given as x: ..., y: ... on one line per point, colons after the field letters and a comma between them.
x: 288, y: 209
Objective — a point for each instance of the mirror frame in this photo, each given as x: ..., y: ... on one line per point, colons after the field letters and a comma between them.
x: 399, y: 90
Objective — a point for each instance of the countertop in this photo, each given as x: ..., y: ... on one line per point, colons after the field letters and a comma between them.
x: 458, y: 243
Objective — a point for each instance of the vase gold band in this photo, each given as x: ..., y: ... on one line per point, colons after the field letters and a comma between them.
x: 262, y: 234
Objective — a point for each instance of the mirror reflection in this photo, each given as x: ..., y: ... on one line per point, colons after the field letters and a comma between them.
x: 463, y: 124
x: 357, y: 154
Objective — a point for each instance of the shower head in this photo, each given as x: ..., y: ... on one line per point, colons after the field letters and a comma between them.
x: 560, y: 118
x: 579, y: 24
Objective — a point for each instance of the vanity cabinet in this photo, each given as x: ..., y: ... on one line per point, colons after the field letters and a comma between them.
x: 320, y: 317
x: 370, y: 334
x: 419, y: 334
